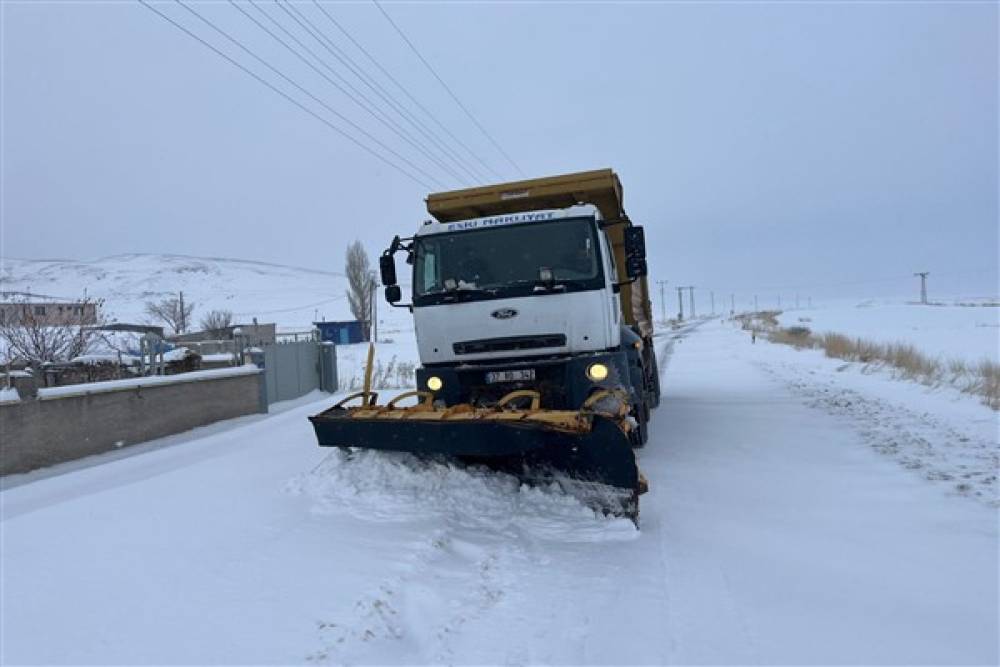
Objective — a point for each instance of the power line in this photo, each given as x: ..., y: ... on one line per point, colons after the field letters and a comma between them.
x: 326, y: 106
x: 283, y: 94
x: 288, y: 310
x: 408, y: 94
x: 372, y: 107
x: 303, y: 90
x: 377, y: 88
x: 448, y: 89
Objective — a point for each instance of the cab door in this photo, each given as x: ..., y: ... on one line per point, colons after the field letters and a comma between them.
x: 612, y: 314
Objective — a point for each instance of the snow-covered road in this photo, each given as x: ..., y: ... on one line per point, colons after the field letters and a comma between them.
x: 775, y: 531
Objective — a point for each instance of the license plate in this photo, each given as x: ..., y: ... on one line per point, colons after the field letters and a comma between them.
x: 523, y: 375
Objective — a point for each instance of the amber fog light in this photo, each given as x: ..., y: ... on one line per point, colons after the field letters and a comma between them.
x: 597, y: 372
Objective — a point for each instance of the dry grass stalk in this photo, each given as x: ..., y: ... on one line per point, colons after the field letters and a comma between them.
x: 905, y: 360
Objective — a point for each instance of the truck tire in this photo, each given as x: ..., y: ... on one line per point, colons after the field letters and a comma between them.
x: 654, y: 401
x: 640, y: 434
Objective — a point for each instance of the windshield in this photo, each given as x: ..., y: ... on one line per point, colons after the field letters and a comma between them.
x: 506, y: 261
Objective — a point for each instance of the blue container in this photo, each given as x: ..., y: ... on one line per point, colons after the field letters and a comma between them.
x: 341, y: 333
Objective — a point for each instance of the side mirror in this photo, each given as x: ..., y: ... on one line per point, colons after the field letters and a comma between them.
x: 635, y: 241
x: 387, y: 267
x: 393, y: 294
x: 635, y: 252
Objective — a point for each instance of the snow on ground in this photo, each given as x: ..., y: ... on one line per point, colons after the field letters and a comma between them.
x: 778, y: 529
x: 969, y: 333
x: 938, y: 432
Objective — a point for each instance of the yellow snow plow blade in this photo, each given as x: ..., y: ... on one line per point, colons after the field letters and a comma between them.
x: 589, y: 445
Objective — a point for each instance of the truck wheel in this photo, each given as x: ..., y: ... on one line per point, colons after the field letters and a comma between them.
x: 640, y: 434
x: 655, y: 398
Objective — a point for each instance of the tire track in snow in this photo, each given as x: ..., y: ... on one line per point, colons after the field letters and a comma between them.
x: 664, y: 354
x: 688, y: 577
x: 450, y: 582
x: 482, y: 522
x: 918, y: 441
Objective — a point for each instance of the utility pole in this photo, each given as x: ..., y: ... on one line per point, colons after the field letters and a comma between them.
x: 663, y: 300
x: 183, y: 317
x: 374, y: 308
x: 732, y: 305
x: 923, y: 285
x: 680, y: 304
x: 756, y: 308
x: 691, y: 293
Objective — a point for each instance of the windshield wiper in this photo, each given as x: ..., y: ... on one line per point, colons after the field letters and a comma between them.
x: 453, y: 295
x: 558, y: 285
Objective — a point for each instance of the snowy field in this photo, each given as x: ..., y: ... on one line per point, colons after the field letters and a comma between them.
x: 290, y: 296
x: 797, y: 514
x: 969, y: 333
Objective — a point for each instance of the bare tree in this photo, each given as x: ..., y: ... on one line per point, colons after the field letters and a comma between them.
x: 29, y: 332
x: 173, y: 312
x: 361, y: 284
x: 217, y: 321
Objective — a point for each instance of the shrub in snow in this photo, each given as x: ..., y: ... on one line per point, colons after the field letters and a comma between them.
x: 903, y: 360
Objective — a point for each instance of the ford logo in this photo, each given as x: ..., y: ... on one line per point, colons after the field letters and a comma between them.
x: 504, y: 313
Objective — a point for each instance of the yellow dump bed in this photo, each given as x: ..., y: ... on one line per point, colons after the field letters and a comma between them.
x: 600, y: 188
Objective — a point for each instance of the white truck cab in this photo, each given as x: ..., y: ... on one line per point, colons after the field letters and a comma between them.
x: 539, y: 283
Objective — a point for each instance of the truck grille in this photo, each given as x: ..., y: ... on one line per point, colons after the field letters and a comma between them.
x: 509, y: 344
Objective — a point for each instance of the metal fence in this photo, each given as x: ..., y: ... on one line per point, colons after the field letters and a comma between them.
x: 292, y: 369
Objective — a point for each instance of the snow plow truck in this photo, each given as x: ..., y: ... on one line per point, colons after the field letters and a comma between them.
x: 535, y: 336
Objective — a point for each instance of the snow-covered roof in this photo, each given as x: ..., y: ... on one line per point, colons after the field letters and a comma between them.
x: 109, y: 358
x: 218, y: 357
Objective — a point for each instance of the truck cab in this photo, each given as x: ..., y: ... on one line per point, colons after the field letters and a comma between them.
x: 523, y: 285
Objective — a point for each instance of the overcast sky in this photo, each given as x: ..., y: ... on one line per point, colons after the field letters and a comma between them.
x: 813, y: 147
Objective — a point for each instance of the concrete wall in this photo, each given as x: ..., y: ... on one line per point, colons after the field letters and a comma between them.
x: 38, y: 433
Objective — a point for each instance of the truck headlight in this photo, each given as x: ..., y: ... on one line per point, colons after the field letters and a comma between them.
x: 597, y: 372
x: 434, y: 383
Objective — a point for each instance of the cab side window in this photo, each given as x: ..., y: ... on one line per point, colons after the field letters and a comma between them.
x: 610, y: 261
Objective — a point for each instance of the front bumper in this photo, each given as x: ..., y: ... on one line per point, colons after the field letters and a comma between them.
x: 562, y: 382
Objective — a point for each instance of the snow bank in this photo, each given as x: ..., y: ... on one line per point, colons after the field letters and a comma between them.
x: 134, y: 383
x: 9, y: 395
